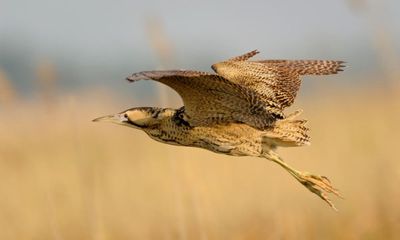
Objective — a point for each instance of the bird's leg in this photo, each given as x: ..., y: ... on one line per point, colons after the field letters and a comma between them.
x: 317, y: 184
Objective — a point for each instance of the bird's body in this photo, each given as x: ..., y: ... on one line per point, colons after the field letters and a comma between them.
x: 236, y: 139
x: 231, y: 139
x: 238, y: 111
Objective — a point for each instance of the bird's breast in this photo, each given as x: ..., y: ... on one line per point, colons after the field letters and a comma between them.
x: 233, y: 139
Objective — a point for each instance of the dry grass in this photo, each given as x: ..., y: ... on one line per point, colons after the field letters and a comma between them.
x: 64, y: 177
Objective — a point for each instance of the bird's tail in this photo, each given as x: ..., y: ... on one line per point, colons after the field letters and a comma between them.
x: 288, y: 132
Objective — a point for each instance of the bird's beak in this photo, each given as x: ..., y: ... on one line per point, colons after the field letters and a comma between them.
x: 115, y: 118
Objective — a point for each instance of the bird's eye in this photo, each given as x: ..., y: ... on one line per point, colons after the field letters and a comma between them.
x: 126, y: 115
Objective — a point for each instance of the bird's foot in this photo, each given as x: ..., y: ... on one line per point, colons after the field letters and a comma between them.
x: 320, y: 185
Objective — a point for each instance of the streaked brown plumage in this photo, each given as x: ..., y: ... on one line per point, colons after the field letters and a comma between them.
x: 237, y: 111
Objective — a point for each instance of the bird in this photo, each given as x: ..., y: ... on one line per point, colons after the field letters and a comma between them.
x: 238, y: 110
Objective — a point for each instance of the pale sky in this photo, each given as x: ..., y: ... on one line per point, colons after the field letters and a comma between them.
x: 108, y: 36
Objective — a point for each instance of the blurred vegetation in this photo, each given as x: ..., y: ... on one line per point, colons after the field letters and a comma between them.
x: 64, y: 177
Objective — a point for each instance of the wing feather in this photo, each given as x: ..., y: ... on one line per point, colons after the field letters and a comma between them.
x: 275, y: 81
x: 277, y: 88
x: 307, y: 67
x: 211, y: 99
x: 252, y: 92
x: 245, y: 56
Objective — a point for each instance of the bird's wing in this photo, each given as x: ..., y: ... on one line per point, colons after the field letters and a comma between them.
x: 307, y: 67
x: 211, y: 99
x: 275, y: 81
x: 245, y: 57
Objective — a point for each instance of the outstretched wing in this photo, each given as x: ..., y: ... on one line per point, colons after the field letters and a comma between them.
x: 275, y: 81
x: 211, y: 99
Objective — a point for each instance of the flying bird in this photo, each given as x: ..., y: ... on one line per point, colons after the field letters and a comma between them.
x: 237, y: 111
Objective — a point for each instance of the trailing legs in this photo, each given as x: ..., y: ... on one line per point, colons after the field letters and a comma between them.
x: 320, y: 185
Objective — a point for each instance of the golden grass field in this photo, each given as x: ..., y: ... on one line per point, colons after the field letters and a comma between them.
x: 65, y: 177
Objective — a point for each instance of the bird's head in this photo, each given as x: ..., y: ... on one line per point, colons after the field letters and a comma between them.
x: 140, y: 118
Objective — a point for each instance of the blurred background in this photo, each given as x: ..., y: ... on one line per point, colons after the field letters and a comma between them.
x: 63, y: 63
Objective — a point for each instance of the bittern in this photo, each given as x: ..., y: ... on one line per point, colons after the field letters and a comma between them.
x: 238, y: 110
